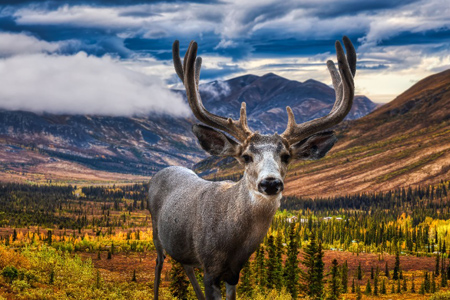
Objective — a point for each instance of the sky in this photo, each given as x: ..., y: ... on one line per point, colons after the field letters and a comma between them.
x: 113, y: 57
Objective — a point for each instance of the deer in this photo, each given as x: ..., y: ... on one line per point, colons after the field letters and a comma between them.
x: 217, y: 225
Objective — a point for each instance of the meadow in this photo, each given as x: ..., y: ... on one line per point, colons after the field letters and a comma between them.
x: 68, y: 242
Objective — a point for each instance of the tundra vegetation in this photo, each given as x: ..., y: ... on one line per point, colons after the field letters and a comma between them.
x: 65, y: 242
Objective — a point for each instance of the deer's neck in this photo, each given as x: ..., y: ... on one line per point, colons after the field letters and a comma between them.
x: 252, y: 205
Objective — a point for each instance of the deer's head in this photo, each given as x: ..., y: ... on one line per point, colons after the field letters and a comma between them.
x: 266, y: 157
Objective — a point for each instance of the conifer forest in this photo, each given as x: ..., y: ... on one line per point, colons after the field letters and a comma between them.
x: 95, y: 242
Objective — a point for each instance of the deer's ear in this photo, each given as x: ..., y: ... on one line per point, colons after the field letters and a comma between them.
x: 215, y: 142
x: 314, y: 147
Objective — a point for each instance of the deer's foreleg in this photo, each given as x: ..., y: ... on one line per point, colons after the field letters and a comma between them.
x: 231, y: 292
x: 191, y: 275
x: 212, y: 287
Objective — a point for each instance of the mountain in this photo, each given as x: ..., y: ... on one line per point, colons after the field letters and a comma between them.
x: 405, y: 142
x: 88, y: 147
x: 267, y: 97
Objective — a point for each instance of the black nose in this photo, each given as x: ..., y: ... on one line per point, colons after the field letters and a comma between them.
x: 270, y: 186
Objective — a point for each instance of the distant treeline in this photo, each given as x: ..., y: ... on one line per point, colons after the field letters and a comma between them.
x: 23, y: 205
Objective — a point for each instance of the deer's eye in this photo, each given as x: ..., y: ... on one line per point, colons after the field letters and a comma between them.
x: 285, y: 158
x: 247, y: 158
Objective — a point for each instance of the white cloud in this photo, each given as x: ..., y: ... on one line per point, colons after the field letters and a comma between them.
x: 82, y: 84
x: 22, y: 43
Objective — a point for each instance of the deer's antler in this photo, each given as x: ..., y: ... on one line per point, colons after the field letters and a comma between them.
x: 189, y: 73
x: 344, y: 88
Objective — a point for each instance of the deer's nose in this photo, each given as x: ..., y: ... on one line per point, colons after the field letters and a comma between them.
x: 270, y: 186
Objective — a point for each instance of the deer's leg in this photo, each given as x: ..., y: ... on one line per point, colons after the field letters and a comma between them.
x: 231, y: 291
x: 159, y: 264
x: 191, y: 275
x: 212, y: 287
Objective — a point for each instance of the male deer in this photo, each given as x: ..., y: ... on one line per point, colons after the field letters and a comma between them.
x: 216, y: 226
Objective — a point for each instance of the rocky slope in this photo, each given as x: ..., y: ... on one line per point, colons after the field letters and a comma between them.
x: 406, y: 142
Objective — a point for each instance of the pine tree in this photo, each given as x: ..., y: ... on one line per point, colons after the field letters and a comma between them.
x: 52, y: 277
x: 244, y: 287
x: 383, y: 287
x: 358, y: 292
x: 433, y: 283
x: 371, y: 273
x: 344, y: 277
x: 260, y: 273
x: 291, y: 269
x: 396, y: 266
x: 359, y: 273
x: 312, y: 278
x: 353, y: 286
x: 392, y: 288
x: 386, y: 271
x: 271, y: 263
x: 437, y: 268
x: 368, y: 288
x: 334, y: 287
x: 413, y: 285
x: 134, y: 276
x: 279, y: 282
x: 398, y: 286
x: 427, y: 283
x: 178, y: 283
x: 375, y: 284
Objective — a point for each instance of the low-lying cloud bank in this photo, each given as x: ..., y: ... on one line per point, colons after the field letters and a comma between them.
x: 82, y: 84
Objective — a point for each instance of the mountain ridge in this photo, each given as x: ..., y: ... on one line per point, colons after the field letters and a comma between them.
x: 142, y: 145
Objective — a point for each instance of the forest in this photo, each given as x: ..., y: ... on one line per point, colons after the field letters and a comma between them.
x: 95, y: 242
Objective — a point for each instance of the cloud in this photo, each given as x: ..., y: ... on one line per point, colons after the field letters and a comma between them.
x: 82, y: 84
x: 22, y: 43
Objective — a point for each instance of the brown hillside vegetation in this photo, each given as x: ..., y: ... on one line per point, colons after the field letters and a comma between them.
x: 403, y: 143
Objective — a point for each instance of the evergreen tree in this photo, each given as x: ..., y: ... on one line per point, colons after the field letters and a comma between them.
x: 393, y: 288
x: 427, y: 283
x: 368, y: 288
x: 291, y: 269
x: 383, y: 287
x: 279, y: 270
x: 371, y: 273
x: 404, y: 286
x: 358, y: 292
x: 395, y: 276
x: 178, y: 283
x: 244, y: 287
x: 386, y: 271
x: 312, y: 278
x: 359, y: 273
x: 398, y: 286
x: 375, y: 284
x: 353, y: 286
x: 344, y: 277
x: 437, y: 268
x: 433, y: 283
x: 413, y: 285
x: 260, y: 273
x: 271, y: 263
x: 334, y: 287
x: 134, y: 276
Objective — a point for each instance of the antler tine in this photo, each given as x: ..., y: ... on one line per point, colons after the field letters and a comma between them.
x: 344, y: 87
x: 189, y: 73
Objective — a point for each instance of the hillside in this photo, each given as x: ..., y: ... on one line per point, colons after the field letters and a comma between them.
x: 91, y: 148
x: 403, y: 143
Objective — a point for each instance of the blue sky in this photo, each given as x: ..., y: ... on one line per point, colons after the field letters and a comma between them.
x: 114, y: 57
